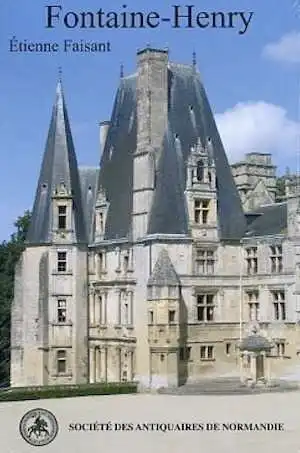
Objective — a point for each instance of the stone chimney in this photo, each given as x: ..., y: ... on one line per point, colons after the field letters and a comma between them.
x: 152, y: 101
x: 152, y: 116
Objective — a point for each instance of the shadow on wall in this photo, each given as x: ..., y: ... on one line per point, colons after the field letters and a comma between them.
x: 184, y: 351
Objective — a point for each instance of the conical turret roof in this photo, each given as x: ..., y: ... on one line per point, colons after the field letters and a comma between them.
x: 59, y: 167
x: 164, y: 273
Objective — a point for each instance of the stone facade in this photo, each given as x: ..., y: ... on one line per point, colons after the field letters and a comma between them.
x: 164, y: 308
x: 255, y: 178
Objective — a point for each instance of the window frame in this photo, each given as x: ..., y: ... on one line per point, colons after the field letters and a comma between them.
x: 208, y: 305
x: 205, y: 258
x: 207, y: 352
x: 61, y: 309
x: 61, y: 261
x: 62, y: 217
x: 60, y: 360
x: 201, y: 211
x: 279, y: 305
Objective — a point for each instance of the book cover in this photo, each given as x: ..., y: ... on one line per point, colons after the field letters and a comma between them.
x: 149, y: 263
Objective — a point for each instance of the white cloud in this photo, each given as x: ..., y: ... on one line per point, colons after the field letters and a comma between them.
x: 287, y: 49
x: 257, y: 127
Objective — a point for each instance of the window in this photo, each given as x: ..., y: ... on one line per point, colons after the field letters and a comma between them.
x: 200, y: 170
x: 102, y: 309
x: 204, y: 261
x: 201, y: 208
x: 205, y: 307
x: 251, y: 259
x: 151, y: 317
x: 206, y: 352
x: 62, y: 217
x: 280, y: 349
x: 126, y: 314
x: 279, y: 305
x: 126, y: 262
x: 253, y: 305
x: 228, y: 347
x: 101, y: 222
x: 61, y: 310
x: 61, y: 361
x: 171, y: 316
x: 61, y: 261
x: 100, y: 263
x: 276, y: 258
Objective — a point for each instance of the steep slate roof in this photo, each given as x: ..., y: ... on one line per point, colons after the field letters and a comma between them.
x: 168, y: 213
x: 271, y: 219
x: 190, y: 117
x: 116, y: 169
x: 88, y: 182
x: 59, y: 166
x: 163, y: 273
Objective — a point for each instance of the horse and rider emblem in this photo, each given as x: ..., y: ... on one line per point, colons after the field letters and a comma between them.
x: 38, y: 427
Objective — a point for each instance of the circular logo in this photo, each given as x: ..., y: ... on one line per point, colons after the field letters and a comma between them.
x: 38, y: 427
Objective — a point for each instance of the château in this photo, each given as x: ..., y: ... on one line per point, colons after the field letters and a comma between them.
x: 164, y: 264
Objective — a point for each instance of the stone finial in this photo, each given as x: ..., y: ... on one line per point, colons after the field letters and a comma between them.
x: 194, y: 60
x: 60, y: 74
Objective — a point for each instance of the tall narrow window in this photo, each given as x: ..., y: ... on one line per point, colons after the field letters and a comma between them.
x: 279, y: 306
x: 61, y: 261
x: 205, y: 307
x: 61, y: 357
x: 61, y: 310
x: 276, y: 259
x: 251, y: 260
x: 101, y: 309
x: 126, y: 314
x: 280, y: 349
x: 151, y: 317
x: 100, y: 263
x: 201, y: 209
x: 200, y: 170
x: 62, y: 217
x: 171, y: 318
x: 253, y: 305
x: 126, y: 262
x: 101, y: 222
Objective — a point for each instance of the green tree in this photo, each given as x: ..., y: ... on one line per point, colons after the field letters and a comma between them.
x: 280, y: 187
x: 10, y: 252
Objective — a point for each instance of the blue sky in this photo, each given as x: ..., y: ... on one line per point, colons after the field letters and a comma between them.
x: 252, y: 82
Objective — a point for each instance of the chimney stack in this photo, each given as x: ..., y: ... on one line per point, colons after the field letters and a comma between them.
x: 152, y: 100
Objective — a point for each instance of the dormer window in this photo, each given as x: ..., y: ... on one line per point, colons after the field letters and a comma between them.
x: 62, y: 217
x: 200, y: 170
x: 201, y: 209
